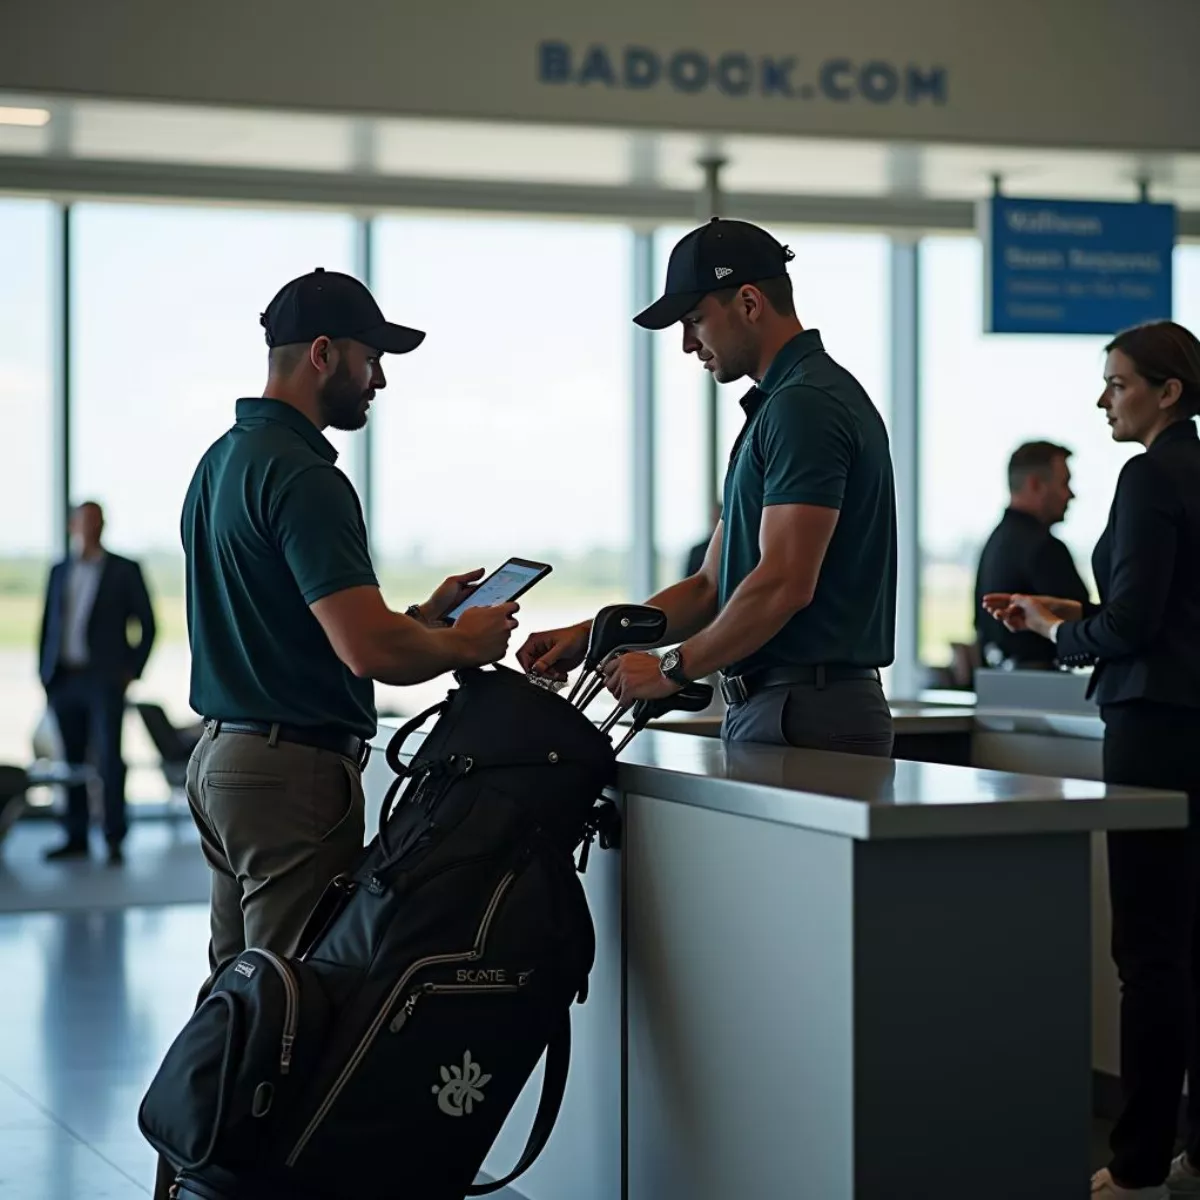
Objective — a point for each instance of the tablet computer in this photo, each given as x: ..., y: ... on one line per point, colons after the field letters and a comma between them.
x: 508, y: 581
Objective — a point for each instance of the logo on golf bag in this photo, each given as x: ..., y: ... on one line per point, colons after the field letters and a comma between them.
x: 461, y: 1088
x: 245, y: 968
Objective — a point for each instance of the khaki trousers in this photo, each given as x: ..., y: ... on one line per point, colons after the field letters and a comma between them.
x: 278, y: 821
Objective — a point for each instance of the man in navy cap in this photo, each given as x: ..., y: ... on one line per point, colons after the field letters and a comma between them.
x: 289, y: 630
x: 795, y: 601
x: 287, y: 624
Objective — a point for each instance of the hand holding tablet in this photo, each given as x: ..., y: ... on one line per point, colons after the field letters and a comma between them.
x: 510, y: 580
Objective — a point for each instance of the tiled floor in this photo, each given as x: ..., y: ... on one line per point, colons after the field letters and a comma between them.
x: 89, y: 1001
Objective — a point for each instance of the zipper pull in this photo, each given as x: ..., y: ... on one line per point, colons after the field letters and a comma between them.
x: 285, y: 1058
x: 585, y: 851
x: 399, y: 1019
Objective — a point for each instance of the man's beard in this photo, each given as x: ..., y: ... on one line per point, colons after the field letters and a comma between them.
x: 736, y: 365
x: 736, y: 360
x: 343, y: 404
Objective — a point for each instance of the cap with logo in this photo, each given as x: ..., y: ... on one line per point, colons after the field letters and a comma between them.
x: 721, y: 254
x: 330, y: 304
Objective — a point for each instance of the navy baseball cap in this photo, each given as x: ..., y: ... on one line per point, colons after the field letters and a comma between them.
x: 722, y: 254
x: 330, y: 304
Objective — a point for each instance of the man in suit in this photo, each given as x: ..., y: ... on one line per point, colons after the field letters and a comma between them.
x: 87, y: 662
x: 1023, y: 549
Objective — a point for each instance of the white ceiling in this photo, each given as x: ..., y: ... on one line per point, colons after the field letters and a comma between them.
x: 440, y: 149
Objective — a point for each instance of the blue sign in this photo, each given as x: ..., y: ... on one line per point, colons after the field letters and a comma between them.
x: 1074, y: 266
x: 737, y: 73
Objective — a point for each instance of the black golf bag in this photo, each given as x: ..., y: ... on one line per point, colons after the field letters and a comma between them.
x: 381, y: 1061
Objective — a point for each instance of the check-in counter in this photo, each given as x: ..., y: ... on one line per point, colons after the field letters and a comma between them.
x: 1030, y: 722
x: 822, y: 975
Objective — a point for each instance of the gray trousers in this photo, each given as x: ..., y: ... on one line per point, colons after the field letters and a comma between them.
x: 848, y: 715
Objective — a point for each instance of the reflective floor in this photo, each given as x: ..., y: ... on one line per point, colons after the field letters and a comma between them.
x: 88, y: 1004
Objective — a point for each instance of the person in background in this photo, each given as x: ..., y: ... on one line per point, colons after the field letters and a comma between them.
x: 1022, y: 555
x: 1144, y: 639
x: 87, y: 662
x: 695, y: 557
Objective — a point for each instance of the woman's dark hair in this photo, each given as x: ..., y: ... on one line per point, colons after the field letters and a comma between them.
x: 1163, y: 350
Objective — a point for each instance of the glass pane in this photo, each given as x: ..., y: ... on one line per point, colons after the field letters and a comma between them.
x: 841, y: 287
x: 507, y: 432
x: 26, y: 484
x: 166, y: 302
x: 1187, y: 287
x: 982, y: 396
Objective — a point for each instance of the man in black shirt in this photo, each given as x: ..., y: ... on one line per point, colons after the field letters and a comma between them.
x: 1023, y: 548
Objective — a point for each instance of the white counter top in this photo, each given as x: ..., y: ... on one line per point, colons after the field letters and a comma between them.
x: 869, y: 798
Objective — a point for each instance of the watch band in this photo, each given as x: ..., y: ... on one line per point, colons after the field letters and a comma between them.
x: 675, y: 673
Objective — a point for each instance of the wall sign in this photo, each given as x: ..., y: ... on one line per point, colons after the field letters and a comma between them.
x: 1071, y: 266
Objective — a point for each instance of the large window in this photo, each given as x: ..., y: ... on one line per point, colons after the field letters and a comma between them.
x: 166, y: 337
x: 841, y: 288
x: 1187, y: 287
x: 26, y: 483
x: 507, y: 432
x: 981, y: 396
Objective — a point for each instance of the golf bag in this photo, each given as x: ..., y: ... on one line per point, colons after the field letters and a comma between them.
x: 381, y: 1061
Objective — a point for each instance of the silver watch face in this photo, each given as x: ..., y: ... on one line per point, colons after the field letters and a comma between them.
x: 670, y: 661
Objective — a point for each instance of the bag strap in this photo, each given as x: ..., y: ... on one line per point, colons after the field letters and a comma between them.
x: 554, y: 1087
x: 405, y: 731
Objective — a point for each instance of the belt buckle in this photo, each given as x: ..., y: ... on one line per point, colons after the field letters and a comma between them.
x: 734, y: 690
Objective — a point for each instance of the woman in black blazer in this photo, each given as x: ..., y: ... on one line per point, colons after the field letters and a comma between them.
x: 1144, y: 639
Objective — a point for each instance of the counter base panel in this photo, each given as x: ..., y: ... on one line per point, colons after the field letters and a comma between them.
x: 812, y: 1016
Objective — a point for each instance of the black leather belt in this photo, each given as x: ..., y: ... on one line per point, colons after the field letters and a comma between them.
x: 337, y: 741
x: 737, y: 689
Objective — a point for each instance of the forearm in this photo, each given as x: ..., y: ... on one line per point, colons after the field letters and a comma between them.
x: 756, y: 612
x: 404, y: 651
x: 690, y: 605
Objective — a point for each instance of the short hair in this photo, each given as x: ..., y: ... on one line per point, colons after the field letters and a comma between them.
x: 1033, y: 458
x: 777, y: 290
x: 285, y: 359
x: 1163, y: 350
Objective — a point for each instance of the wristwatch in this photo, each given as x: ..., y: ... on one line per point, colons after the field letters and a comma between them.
x: 671, y: 665
x: 414, y: 611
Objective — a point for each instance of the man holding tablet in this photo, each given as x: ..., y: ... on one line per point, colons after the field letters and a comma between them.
x: 795, y: 601
x: 287, y: 625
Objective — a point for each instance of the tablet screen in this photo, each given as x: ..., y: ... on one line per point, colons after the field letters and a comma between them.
x: 505, y: 583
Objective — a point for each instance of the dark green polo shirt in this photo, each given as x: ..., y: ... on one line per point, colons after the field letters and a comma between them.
x: 812, y: 436
x: 270, y: 525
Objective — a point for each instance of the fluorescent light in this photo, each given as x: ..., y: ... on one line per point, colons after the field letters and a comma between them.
x: 24, y: 116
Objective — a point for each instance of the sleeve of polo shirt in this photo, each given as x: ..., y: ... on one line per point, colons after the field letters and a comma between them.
x: 807, y: 440
x: 318, y: 524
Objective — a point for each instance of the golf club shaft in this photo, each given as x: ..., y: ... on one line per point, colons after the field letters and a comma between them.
x: 613, y: 717
x: 629, y: 736
x: 593, y: 689
x: 587, y: 670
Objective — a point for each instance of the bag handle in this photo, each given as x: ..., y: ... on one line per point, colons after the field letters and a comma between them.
x: 554, y: 1087
x: 405, y: 731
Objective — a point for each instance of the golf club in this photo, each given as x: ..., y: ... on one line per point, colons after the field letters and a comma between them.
x: 616, y: 627
x: 604, y: 624
x: 694, y: 698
